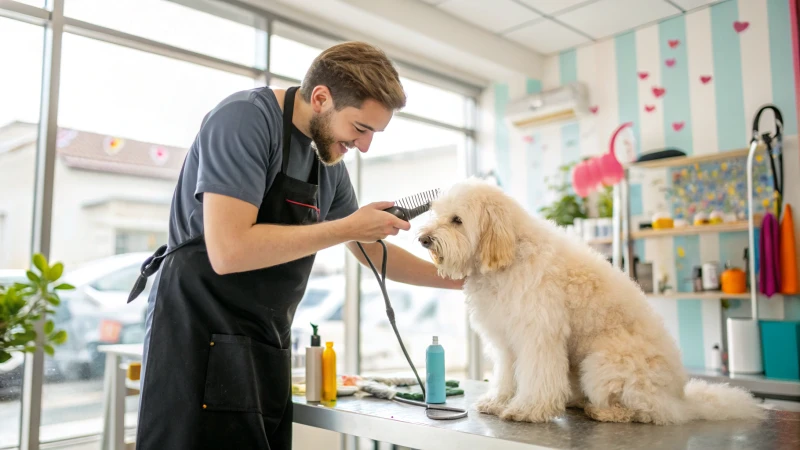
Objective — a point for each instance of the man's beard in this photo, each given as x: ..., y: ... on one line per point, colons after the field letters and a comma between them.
x: 326, y: 146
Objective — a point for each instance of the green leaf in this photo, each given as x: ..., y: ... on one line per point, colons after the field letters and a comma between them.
x: 64, y: 287
x: 49, y: 349
x: 30, y: 349
x: 55, y: 272
x: 40, y: 262
x: 60, y: 337
x: 33, y: 277
x: 21, y: 340
x: 53, y: 300
x: 49, y: 326
x: 4, y: 356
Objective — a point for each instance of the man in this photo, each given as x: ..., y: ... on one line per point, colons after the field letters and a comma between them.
x: 261, y: 191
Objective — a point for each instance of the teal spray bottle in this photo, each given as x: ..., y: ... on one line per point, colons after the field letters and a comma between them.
x: 435, y: 389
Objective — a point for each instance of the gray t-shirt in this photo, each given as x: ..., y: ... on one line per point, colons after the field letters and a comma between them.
x: 238, y: 153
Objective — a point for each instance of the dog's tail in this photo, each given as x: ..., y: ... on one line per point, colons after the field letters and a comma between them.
x: 720, y: 402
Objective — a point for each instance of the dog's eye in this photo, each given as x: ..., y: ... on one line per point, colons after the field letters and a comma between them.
x: 456, y: 219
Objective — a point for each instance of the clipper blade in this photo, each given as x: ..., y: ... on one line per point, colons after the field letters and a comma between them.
x: 417, y: 204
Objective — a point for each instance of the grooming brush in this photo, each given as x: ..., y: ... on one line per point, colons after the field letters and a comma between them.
x: 412, y: 206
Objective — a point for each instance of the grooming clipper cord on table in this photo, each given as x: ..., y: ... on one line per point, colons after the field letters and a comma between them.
x: 407, y: 209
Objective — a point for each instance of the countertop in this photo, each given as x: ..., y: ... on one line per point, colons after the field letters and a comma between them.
x: 407, y: 425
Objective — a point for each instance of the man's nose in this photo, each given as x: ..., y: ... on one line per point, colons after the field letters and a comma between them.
x: 426, y: 241
x: 364, y: 142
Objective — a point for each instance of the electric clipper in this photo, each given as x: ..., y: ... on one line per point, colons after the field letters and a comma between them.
x: 405, y: 208
x: 412, y: 206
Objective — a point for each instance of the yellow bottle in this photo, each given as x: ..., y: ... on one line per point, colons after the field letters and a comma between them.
x: 329, y: 375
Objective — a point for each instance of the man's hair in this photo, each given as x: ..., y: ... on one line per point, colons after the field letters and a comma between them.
x: 355, y: 72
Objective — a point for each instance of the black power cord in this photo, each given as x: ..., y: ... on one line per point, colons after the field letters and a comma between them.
x: 389, y: 310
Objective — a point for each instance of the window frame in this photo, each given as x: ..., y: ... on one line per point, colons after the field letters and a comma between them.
x: 55, y: 24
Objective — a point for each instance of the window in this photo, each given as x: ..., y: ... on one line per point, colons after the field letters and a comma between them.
x: 435, y: 103
x: 119, y: 281
x: 240, y: 39
x: 408, y: 158
x: 128, y: 241
x: 123, y: 93
x: 20, y: 86
x: 127, y: 119
x: 323, y: 303
x: 37, y: 3
x: 290, y: 58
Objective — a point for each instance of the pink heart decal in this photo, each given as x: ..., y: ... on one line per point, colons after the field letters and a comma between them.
x: 659, y: 92
x: 643, y: 75
x: 159, y: 154
x: 670, y: 62
x: 740, y: 26
x: 674, y: 43
x: 705, y: 79
x: 677, y: 126
x: 593, y: 109
x: 649, y: 108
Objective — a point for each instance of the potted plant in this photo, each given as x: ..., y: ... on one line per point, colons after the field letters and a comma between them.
x: 22, y: 305
x: 570, y: 206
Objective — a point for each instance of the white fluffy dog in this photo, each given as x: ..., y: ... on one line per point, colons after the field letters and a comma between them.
x: 564, y: 327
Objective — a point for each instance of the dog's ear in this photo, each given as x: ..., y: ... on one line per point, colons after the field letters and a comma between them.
x: 498, y: 242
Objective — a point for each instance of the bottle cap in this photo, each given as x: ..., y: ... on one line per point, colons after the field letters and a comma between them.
x: 329, y: 344
x: 315, y: 339
x: 436, y: 340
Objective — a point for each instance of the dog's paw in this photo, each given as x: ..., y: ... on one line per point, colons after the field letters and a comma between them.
x: 491, y: 404
x: 529, y: 412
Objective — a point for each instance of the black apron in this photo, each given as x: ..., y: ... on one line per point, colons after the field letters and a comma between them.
x: 218, y: 370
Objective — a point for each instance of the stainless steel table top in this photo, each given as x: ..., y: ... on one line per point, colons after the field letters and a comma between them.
x: 407, y: 425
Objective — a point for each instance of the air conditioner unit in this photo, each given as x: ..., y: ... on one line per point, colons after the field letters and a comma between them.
x: 566, y: 103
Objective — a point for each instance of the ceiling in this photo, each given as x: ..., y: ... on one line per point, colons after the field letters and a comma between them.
x: 551, y: 26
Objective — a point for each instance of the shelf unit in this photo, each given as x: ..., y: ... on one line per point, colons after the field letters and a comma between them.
x: 692, y: 230
x: 705, y: 295
x: 689, y: 160
x: 682, y: 231
x: 622, y: 246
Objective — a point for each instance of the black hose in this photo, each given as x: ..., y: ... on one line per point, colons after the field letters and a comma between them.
x: 389, y: 310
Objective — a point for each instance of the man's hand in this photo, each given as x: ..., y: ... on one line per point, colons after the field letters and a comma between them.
x: 371, y: 223
x: 236, y: 243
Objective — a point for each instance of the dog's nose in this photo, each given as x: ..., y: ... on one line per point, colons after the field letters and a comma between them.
x: 426, y: 241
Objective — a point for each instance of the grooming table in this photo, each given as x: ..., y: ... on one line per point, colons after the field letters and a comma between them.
x: 407, y: 425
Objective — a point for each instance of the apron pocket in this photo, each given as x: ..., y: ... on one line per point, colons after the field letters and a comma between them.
x: 244, y: 375
x: 302, y: 213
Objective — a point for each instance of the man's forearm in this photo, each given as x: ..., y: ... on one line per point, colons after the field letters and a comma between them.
x: 403, y: 267
x: 266, y: 245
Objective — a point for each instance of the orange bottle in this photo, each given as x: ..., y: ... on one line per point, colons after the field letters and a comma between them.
x: 328, y: 375
x: 733, y: 280
x: 789, y: 273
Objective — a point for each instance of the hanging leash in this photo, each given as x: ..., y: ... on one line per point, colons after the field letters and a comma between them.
x: 773, y: 152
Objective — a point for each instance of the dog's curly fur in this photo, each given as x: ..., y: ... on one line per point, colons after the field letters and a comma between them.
x: 564, y: 327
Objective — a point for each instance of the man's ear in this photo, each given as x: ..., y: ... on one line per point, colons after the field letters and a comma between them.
x: 497, y: 246
x: 321, y: 98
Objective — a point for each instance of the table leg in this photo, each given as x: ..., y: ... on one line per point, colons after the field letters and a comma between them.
x: 114, y: 404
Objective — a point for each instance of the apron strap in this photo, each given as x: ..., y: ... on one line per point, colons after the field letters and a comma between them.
x: 153, y: 263
x: 288, y: 110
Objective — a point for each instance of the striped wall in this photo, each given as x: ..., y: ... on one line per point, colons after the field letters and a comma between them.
x: 692, y: 82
